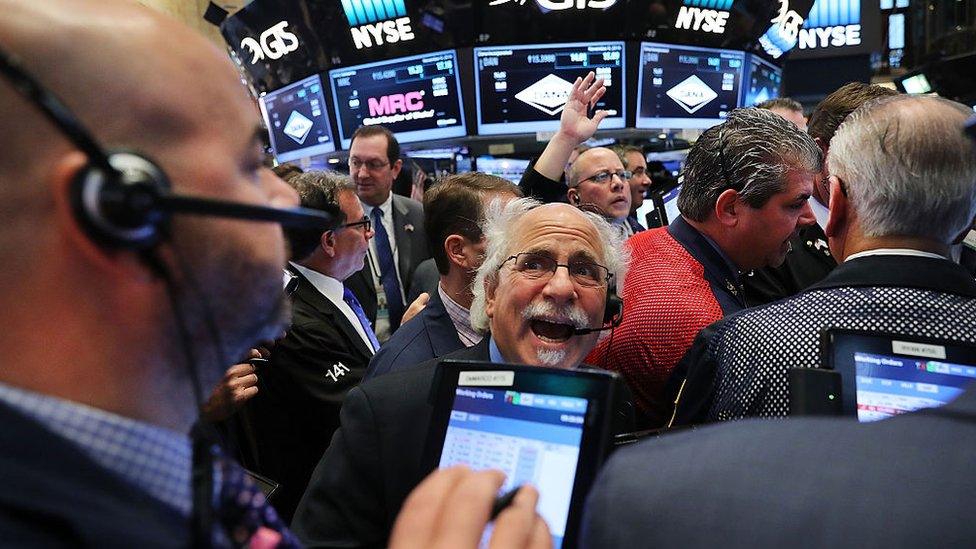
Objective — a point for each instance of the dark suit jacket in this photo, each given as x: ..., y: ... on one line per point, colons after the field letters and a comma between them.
x: 55, y: 496
x: 374, y: 460
x: 428, y: 335
x: 411, y: 249
x: 425, y: 279
x: 903, y: 482
x: 540, y: 187
x: 807, y: 263
x: 296, y: 409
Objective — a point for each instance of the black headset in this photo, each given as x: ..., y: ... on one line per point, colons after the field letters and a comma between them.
x: 122, y: 199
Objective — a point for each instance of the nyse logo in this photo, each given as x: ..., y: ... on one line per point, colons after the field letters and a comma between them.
x: 559, y: 5
x: 699, y: 15
x: 374, y: 23
x: 396, y: 103
x: 274, y: 43
x: 839, y: 36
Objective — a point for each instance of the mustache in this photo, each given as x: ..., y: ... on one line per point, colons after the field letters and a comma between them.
x: 567, y: 314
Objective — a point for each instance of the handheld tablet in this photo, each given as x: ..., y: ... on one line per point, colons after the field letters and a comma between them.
x: 546, y: 427
x: 884, y: 374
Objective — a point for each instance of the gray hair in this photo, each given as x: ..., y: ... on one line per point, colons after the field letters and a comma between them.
x: 751, y: 152
x: 499, y: 220
x: 908, y: 168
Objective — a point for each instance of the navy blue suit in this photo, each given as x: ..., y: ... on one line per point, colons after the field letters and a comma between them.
x: 812, y: 482
x: 55, y: 496
x: 428, y: 335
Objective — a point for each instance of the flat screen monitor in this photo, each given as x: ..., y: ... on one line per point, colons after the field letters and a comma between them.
x: 297, y: 121
x: 418, y: 98
x: 522, y: 89
x: 687, y: 86
x: 883, y: 375
x: 506, y: 168
x: 761, y: 82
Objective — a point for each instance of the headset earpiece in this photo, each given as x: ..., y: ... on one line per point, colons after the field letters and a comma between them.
x: 613, y: 310
x: 121, y: 209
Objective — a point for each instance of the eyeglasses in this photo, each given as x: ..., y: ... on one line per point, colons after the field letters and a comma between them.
x: 539, y: 266
x: 365, y: 222
x: 371, y: 165
x: 602, y: 177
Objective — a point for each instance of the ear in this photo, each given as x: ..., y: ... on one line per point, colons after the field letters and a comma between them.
x: 727, y: 208
x: 397, y: 166
x: 838, y: 216
x: 490, y: 288
x: 455, y: 246
x: 573, y: 196
x: 110, y: 261
x: 327, y: 243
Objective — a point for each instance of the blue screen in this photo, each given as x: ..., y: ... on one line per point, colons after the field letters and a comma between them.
x: 889, y: 385
x: 418, y: 98
x: 533, y: 438
x: 762, y: 82
x: 297, y: 120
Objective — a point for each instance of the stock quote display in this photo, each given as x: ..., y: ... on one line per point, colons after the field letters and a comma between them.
x: 418, y: 98
x: 523, y: 89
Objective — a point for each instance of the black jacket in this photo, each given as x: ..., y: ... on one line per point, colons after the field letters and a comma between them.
x: 300, y: 391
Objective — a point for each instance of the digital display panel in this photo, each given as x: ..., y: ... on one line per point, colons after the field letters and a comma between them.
x: 297, y: 120
x: 533, y: 438
x: 522, y: 89
x: 506, y: 168
x: 761, y: 83
x: 685, y: 86
x: 418, y: 98
x: 888, y: 385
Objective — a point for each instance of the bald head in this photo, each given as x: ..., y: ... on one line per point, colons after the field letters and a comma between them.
x: 137, y: 80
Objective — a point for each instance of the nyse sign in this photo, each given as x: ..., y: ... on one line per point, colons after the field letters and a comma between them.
x: 374, y: 23
x: 837, y: 36
x: 705, y: 20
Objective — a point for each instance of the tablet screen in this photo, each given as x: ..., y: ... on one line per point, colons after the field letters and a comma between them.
x: 533, y: 438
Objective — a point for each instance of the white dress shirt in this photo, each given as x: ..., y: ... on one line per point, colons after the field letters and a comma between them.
x: 894, y: 251
x: 332, y: 290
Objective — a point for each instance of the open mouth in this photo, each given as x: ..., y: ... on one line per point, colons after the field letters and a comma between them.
x: 553, y: 332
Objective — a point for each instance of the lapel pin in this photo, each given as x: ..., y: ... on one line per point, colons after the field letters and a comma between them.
x: 408, y: 227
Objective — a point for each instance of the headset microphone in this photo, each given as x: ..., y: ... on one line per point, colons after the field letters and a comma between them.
x: 613, y: 315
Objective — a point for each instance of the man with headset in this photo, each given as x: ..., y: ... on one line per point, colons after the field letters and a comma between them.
x: 539, y: 296
x: 117, y: 314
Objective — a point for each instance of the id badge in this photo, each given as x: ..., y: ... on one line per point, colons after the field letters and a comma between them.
x: 382, y: 327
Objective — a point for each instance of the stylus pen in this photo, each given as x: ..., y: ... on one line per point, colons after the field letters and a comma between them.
x: 503, y: 501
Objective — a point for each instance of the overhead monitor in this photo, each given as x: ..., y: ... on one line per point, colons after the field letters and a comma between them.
x: 522, y: 89
x: 297, y: 121
x: 506, y: 168
x: 916, y: 84
x: 686, y: 86
x: 418, y: 98
x: 761, y: 82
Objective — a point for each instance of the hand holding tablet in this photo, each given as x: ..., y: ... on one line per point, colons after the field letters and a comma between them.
x: 452, y: 506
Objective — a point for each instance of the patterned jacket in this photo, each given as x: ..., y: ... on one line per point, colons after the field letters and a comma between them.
x: 739, y: 367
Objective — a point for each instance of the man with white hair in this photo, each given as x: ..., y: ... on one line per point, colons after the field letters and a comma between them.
x: 545, y: 275
x: 902, y: 189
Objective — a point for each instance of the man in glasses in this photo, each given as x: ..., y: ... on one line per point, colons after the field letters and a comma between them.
x: 400, y: 244
x: 545, y: 277
x: 327, y: 348
x: 744, y: 195
x: 598, y: 179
